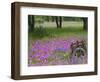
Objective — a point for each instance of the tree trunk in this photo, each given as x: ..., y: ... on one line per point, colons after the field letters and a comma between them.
x: 31, y: 22
x: 57, y: 23
x: 60, y: 21
x: 85, y: 23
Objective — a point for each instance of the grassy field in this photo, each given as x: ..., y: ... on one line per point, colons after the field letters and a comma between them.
x: 47, y: 33
x: 69, y: 28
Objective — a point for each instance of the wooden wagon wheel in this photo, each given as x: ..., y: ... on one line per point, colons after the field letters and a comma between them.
x: 79, y: 52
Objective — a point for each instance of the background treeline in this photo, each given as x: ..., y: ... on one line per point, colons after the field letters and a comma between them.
x: 32, y: 20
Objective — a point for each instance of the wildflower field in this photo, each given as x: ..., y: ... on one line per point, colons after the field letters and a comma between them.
x: 49, y: 45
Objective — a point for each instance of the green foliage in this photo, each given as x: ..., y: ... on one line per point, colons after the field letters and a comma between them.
x: 66, y: 55
x: 38, y: 33
x: 50, y: 59
x: 72, y: 19
x: 52, y: 18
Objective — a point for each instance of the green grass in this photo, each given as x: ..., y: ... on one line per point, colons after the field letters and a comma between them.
x: 54, y: 32
x: 64, y: 31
